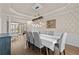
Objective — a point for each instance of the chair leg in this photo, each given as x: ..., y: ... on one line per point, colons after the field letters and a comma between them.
x: 47, y: 51
x: 26, y: 45
x: 29, y: 44
x: 53, y: 52
x: 40, y: 51
x: 60, y: 53
x: 64, y: 51
x: 33, y: 46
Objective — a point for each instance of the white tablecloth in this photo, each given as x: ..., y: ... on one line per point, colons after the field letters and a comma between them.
x: 49, y: 41
x: 50, y: 36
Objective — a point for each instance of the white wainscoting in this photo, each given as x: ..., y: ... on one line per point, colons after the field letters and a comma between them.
x: 73, y: 40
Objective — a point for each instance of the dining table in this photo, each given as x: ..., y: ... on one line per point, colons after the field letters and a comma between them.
x: 49, y: 41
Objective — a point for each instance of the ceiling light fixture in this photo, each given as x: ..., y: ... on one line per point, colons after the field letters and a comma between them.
x: 36, y: 8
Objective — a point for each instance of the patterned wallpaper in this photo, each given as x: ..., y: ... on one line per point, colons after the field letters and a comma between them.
x: 65, y: 21
x: 68, y: 23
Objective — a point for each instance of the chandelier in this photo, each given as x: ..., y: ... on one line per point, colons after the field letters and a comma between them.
x: 36, y: 8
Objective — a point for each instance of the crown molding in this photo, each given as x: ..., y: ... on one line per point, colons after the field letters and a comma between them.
x: 56, y: 10
x: 20, y: 14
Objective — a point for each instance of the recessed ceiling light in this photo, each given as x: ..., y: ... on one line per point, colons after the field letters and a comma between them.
x: 36, y: 7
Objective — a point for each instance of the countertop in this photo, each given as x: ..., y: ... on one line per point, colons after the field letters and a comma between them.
x: 8, y: 34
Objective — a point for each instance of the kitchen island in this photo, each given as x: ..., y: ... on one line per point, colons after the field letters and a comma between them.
x: 5, y: 43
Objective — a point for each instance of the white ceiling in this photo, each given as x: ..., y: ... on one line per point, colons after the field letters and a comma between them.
x: 25, y: 9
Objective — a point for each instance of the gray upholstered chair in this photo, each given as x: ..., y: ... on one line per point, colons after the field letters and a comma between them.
x: 37, y: 40
x: 60, y: 46
x: 31, y: 38
x: 28, y: 38
x: 27, y: 35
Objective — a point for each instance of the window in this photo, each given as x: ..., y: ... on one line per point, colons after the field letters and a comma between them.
x: 17, y: 27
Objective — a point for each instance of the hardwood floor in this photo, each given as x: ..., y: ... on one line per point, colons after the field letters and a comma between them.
x: 71, y: 50
x: 18, y: 48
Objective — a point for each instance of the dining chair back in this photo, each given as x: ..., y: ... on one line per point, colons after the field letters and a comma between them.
x: 31, y: 38
x: 27, y: 36
x: 62, y: 42
x: 37, y: 40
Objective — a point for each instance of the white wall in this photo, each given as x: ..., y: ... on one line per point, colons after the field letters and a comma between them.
x: 6, y: 16
x: 4, y: 24
x: 0, y: 25
x: 67, y: 20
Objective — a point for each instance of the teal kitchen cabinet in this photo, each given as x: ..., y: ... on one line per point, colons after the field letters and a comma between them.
x: 5, y: 44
